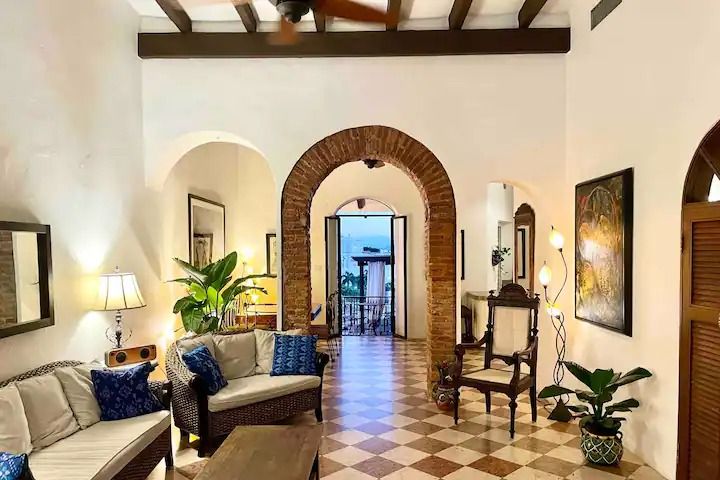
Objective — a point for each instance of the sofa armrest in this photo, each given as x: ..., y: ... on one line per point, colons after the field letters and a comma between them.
x: 162, y: 391
x: 321, y: 360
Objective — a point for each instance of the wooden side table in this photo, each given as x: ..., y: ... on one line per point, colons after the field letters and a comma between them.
x: 270, y: 452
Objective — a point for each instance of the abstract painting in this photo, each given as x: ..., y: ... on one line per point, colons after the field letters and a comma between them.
x: 603, y: 251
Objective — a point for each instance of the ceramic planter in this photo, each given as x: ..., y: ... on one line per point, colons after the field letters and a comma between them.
x: 602, y: 449
x: 444, y: 396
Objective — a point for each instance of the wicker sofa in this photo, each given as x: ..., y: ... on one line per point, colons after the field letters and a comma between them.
x: 119, y: 450
x: 253, y: 399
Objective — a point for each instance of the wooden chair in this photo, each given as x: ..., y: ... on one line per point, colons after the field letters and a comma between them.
x: 511, y: 337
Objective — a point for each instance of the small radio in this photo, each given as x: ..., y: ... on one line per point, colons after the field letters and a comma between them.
x: 125, y: 356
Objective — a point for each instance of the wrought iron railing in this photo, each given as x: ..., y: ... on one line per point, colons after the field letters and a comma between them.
x: 362, y: 315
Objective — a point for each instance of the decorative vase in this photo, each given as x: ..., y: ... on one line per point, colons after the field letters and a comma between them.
x: 602, y: 449
x: 444, y: 396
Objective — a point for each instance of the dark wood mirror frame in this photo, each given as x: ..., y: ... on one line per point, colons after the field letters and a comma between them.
x: 47, y: 317
x: 525, y: 217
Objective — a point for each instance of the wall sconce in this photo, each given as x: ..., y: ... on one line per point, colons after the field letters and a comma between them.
x: 560, y: 412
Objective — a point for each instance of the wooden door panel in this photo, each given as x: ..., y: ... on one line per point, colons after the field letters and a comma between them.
x: 699, y: 446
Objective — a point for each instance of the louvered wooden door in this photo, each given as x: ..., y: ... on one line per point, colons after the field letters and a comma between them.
x: 699, y: 446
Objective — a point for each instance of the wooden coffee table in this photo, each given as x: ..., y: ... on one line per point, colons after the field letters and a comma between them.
x: 268, y: 452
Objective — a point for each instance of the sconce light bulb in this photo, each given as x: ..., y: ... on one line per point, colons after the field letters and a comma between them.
x: 545, y: 275
x: 246, y: 254
x: 556, y: 239
x: 553, y: 310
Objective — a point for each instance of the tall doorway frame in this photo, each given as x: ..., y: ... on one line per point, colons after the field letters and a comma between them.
x: 391, y: 146
x: 699, y: 312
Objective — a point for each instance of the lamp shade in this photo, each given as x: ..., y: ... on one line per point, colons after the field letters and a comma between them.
x: 556, y: 239
x: 545, y: 275
x: 118, y: 291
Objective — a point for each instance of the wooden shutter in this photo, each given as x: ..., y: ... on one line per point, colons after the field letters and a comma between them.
x: 699, y: 446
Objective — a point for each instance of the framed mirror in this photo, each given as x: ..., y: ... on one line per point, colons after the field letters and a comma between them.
x: 206, y: 237
x: 525, y: 247
x: 26, y: 301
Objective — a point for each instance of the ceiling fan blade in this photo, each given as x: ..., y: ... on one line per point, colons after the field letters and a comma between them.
x: 200, y: 3
x: 353, y: 11
x: 287, y: 35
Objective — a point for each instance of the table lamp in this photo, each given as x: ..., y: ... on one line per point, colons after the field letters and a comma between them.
x: 117, y: 292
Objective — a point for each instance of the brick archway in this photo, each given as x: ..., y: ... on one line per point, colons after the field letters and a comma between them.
x: 422, y: 166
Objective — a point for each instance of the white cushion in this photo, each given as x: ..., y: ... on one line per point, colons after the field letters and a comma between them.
x: 511, y: 329
x: 265, y: 348
x: 493, y: 375
x: 257, y: 388
x: 99, y: 452
x: 14, y: 431
x: 186, y: 345
x: 78, y: 387
x: 235, y: 354
x: 47, y: 410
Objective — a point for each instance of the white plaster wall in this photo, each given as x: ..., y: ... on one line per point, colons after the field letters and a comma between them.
x: 487, y: 118
x: 642, y: 93
x: 394, y: 188
x: 71, y: 156
x: 500, y: 201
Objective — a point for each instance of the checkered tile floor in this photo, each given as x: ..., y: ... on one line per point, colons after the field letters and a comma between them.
x: 379, y: 424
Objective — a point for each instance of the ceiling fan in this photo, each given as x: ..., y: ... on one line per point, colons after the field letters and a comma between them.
x: 292, y: 11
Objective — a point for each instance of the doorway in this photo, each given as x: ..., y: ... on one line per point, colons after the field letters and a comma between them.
x: 699, y: 415
x: 366, y: 274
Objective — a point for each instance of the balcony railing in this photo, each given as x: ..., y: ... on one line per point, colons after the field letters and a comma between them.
x: 364, y: 315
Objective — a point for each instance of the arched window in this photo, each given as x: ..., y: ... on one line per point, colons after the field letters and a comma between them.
x: 702, y: 183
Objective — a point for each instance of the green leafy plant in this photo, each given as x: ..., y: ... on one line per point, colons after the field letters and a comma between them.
x: 210, y: 292
x: 595, y: 416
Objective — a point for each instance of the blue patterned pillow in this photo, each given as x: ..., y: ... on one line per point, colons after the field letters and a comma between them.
x: 294, y: 355
x: 201, y: 362
x: 124, y: 393
x: 13, y: 467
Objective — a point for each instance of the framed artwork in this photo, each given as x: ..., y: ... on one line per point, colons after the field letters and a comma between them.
x: 206, y: 231
x: 604, y: 251
x: 271, y: 256
x: 521, y: 252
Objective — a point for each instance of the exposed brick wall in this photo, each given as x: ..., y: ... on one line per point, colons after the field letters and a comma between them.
x: 8, y: 301
x: 420, y: 164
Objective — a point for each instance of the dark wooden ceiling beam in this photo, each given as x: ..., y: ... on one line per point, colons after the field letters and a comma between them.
x: 248, y: 16
x: 320, y: 21
x: 357, y: 44
x: 458, y: 14
x: 176, y: 13
x: 393, y: 10
x: 529, y: 11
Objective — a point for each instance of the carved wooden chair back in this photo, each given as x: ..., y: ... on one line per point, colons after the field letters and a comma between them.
x: 512, y: 322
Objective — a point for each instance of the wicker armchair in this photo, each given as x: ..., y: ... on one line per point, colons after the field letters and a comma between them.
x: 190, y: 403
x: 145, y: 462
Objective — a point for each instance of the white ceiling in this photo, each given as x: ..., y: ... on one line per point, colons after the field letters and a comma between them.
x: 416, y: 15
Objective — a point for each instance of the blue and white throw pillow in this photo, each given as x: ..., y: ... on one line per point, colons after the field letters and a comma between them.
x: 201, y: 362
x: 124, y: 393
x: 13, y: 467
x: 294, y: 355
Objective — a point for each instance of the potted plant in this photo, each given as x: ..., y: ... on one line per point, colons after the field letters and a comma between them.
x: 444, y: 391
x: 497, y: 257
x: 210, y: 292
x: 600, y: 427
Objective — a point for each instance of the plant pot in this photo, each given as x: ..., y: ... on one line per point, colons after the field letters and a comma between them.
x: 444, y: 396
x: 602, y: 449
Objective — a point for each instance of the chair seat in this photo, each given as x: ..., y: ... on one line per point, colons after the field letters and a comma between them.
x: 492, y: 375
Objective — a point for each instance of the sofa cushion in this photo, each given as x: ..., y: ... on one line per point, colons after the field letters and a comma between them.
x: 294, y: 355
x: 257, y: 388
x: 124, y: 393
x: 186, y: 345
x: 14, y: 430
x: 99, y: 452
x: 235, y: 354
x: 201, y: 363
x: 47, y: 410
x: 78, y: 387
x: 265, y: 348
